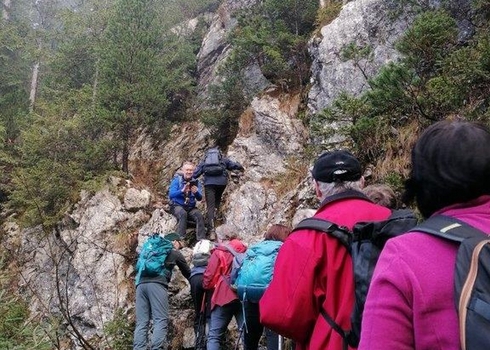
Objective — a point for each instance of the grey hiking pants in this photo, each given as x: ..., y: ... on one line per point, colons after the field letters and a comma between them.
x: 151, y: 304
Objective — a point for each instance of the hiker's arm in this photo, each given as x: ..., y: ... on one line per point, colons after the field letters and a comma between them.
x: 291, y: 293
x: 197, y: 190
x: 198, y: 171
x: 183, y: 266
x: 174, y: 190
x: 231, y: 165
x: 387, y: 317
x: 209, y: 280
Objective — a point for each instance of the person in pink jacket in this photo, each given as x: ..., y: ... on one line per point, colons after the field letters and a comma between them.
x: 313, y: 270
x: 410, y: 303
x: 224, y: 301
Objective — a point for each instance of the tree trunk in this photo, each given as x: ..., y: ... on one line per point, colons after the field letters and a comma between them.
x: 94, y: 86
x: 6, y: 10
x: 32, y: 95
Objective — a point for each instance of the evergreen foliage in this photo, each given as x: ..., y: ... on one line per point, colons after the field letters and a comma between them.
x: 17, y: 329
x: 273, y: 35
x: 437, y: 77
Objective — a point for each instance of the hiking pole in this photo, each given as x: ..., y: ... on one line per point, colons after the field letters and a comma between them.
x: 200, y: 340
x: 240, y: 336
x: 280, y: 342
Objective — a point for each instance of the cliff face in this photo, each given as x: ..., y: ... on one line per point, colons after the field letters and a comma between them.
x: 83, y: 274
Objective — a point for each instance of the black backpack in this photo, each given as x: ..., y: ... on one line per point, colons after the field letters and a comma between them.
x: 212, y: 163
x: 471, y: 278
x: 364, y: 243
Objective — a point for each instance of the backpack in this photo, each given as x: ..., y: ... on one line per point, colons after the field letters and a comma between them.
x: 151, y: 259
x: 364, y: 244
x: 471, y: 278
x: 202, y: 252
x: 235, y: 265
x: 256, y: 271
x: 212, y: 163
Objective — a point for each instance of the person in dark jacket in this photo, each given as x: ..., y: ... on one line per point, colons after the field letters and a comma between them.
x: 214, y: 186
x: 183, y: 194
x: 200, y: 297
x: 152, y: 300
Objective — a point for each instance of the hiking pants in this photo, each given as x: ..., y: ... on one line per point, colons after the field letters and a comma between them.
x: 198, y: 293
x: 151, y: 304
x: 254, y: 329
x: 182, y: 214
x: 213, y: 194
x: 220, y: 318
x: 201, y: 312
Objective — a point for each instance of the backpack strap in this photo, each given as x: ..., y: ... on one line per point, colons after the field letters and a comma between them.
x: 449, y: 228
x: 341, y: 233
x: 230, y: 249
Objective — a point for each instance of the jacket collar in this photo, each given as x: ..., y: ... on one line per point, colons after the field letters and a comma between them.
x: 344, y: 195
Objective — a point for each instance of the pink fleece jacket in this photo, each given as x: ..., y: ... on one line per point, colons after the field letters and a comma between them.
x: 410, y: 304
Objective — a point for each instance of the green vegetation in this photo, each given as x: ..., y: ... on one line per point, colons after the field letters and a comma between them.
x: 437, y: 77
x: 17, y: 328
x: 110, y: 69
x: 273, y: 35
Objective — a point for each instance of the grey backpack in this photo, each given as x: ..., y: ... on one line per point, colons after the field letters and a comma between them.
x: 471, y: 278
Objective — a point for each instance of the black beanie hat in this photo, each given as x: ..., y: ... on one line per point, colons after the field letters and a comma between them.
x: 337, y: 166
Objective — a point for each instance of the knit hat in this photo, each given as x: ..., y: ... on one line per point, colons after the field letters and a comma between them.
x: 336, y: 166
x: 173, y: 236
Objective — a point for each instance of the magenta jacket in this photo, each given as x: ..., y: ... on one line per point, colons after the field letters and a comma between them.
x: 410, y: 304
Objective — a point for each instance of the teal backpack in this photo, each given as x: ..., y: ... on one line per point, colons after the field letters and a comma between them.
x: 151, y: 259
x: 256, y: 271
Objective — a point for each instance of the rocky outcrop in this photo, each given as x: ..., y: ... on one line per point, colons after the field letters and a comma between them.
x: 82, y: 273
x: 215, y: 49
x: 376, y: 24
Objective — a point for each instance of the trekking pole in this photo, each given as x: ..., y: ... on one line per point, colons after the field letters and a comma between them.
x: 240, y: 335
x: 280, y: 342
x: 200, y: 340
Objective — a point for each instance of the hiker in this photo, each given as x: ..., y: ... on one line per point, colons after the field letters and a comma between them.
x: 200, y: 297
x: 273, y: 238
x: 381, y: 194
x: 313, y: 273
x: 214, y: 168
x: 183, y: 193
x: 224, y: 301
x: 412, y: 290
x: 152, y: 299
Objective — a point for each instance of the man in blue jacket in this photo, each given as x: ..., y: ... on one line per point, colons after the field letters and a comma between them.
x: 214, y: 167
x: 184, y: 192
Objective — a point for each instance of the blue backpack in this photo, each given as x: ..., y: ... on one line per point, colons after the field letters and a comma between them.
x: 256, y: 271
x: 151, y: 260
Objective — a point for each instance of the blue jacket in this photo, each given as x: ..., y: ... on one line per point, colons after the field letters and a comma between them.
x: 176, y: 195
x: 221, y: 180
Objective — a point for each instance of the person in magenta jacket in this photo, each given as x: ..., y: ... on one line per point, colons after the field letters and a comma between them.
x: 313, y: 270
x: 410, y: 303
